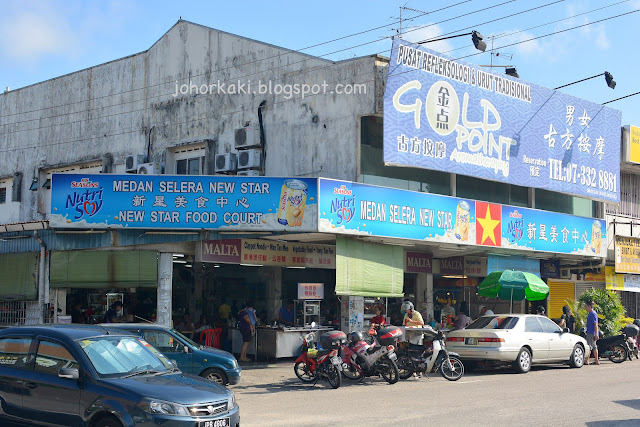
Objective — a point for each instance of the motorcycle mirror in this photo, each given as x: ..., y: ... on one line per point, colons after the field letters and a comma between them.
x: 313, y: 324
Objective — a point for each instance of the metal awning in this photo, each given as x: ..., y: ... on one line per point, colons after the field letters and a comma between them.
x: 24, y: 226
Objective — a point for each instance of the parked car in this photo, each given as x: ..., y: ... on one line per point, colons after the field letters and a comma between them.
x: 521, y: 339
x: 211, y: 363
x: 76, y: 375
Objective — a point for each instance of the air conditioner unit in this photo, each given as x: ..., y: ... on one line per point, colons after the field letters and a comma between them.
x: 249, y: 172
x: 248, y: 159
x: 131, y: 163
x: 248, y: 137
x: 565, y: 273
x: 226, y: 162
x: 148, y: 169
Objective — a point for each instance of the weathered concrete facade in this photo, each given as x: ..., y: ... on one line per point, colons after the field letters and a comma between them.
x: 127, y: 107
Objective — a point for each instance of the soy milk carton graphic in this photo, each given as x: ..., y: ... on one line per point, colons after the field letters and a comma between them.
x: 462, y: 221
x: 293, y: 199
x: 596, y: 237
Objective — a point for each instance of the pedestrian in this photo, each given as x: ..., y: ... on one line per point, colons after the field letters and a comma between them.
x: 247, y: 325
x: 592, y: 332
x: 567, y: 320
x: 540, y: 311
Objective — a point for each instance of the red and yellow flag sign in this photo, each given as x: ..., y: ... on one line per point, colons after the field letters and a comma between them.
x: 488, y: 219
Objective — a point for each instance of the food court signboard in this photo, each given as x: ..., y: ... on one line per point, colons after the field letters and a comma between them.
x: 627, y: 255
x: 267, y: 252
x: 448, y: 115
x: 361, y: 209
x: 183, y: 202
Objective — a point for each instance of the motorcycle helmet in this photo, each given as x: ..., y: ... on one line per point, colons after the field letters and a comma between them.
x: 407, y: 305
x: 355, y: 336
x: 637, y: 322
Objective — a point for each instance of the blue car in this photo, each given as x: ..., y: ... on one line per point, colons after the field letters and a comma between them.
x: 211, y: 363
x: 76, y: 375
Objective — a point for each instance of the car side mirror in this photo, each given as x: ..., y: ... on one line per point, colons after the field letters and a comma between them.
x: 174, y: 363
x: 565, y: 330
x: 186, y: 349
x: 69, y: 373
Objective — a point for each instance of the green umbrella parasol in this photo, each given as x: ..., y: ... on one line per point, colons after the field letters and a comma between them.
x: 513, y: 285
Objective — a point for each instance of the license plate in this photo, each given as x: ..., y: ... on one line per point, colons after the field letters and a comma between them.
x: 393, y: 356
x: 336, y: 360
x: 471, y: 341
x: 222, y: 422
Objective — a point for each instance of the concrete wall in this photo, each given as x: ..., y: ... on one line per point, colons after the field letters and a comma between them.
x: 128, y: 106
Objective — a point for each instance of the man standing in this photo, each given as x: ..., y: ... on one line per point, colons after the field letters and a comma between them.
x: 592, y: 332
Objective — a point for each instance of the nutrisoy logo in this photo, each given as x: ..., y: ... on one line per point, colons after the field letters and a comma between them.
x: 86, y: 198
x: 344, y: 205
x: 515, y: 226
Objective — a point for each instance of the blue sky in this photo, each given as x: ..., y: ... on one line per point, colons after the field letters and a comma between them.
x: 42, y: 39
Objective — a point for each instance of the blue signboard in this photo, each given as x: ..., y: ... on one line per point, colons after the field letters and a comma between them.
x: 361, y: 209
x: 183, y: 202
x: 452, y: 116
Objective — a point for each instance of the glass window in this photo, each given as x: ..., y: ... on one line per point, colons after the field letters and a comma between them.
x: 14, y: 352
x: 494, y: 322
x: 3, y: 195
x: 564, y: 203
x: 491, y: 191
x: 116, y: 356
x: 531, y: 324
x: 191, y: 166
x: 164, y: 342
x: 548, y: 325
x: 52, y: 357
x: 194, y: 166
x: 181, y: 167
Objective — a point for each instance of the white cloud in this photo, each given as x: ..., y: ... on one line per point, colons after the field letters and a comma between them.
x: 432, y: 31
x: 31, y: 33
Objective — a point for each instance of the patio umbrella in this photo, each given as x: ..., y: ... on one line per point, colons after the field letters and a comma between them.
x: 513, y: 285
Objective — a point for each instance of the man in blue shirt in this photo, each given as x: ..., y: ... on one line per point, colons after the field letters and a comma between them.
x: 286, y: 314
x: 592, y: 332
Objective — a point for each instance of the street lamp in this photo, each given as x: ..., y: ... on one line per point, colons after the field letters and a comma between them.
x: 607, y: 77
x: 476, y: 38
x: 509, y: 70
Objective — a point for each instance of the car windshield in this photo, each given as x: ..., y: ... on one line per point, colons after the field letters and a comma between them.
x: 114, y: 356
x: 494, y: 322
x: 184, y: 338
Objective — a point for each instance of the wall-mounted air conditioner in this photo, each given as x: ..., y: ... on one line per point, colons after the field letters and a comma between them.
x: 227, y: 162
x: 131, y: 163
x: 249, y: 172
x: 248, y: 137
x: 565, y: 273
x: 248, y: 159
x: 148, y: 169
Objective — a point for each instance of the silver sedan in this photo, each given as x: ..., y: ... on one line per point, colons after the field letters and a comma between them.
x: 521, y: 339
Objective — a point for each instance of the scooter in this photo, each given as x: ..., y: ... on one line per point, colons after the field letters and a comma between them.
x: 615, y: 348
x: 361, y: 359
x: 313, y: 364
x: 419, y: 361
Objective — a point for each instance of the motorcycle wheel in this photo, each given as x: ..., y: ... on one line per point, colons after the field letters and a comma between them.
x: 389, y: 371
x: 619, y: 354
x: 352, y: 373
x: 302, y: 372
x: 333, y: 376
x: 405, y: 367
x: 453, y: 373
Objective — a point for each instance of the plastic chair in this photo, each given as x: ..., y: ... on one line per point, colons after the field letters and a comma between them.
x: 211, y: 337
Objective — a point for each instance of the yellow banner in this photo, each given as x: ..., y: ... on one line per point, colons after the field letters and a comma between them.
x: 627, y: 254
x: 634, y: 144
x: 613, y: 281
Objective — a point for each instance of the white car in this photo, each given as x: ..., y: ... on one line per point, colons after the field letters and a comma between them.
x: 521, y: 339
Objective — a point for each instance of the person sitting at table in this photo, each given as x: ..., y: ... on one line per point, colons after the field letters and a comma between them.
x: 202, y: 324
x: 116, y: 314
x: 186, y: 327
x: 286, y: 314
x: 378, y: 319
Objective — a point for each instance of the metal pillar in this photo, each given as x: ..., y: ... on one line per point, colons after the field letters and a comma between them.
x: 165, y: 285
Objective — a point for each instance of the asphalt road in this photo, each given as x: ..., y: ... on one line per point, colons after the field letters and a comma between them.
x: 550, y: 395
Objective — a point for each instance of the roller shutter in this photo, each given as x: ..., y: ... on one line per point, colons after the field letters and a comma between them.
x: 559, y: 292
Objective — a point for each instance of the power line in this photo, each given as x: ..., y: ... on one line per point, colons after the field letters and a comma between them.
x: 622, y: 97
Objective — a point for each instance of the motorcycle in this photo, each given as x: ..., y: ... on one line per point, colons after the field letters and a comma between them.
x: 361, y: 359
x: 616, y: 348
x: 438, y: 359
x: 314, y: 364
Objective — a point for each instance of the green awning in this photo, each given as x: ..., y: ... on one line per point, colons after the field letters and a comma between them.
x: 18, y: 276
x: 368, y: 269
x: 104, y: 269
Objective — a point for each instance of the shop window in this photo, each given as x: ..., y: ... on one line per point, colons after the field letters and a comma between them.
x: 14, y: 352
x: 373, y: 171
x: 52, y: 357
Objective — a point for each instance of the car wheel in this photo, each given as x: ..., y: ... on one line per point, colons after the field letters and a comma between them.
x: 577, y: 357
x: 215, y: 375
x: 522, y: 364
x: 108, y: 422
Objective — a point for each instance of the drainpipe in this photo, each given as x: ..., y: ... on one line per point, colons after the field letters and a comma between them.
x: 43, y: 290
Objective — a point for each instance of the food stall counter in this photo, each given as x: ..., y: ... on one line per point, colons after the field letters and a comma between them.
x: 280, y: 342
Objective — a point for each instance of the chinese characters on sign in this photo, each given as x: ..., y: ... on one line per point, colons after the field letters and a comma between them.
x: 311, y: 291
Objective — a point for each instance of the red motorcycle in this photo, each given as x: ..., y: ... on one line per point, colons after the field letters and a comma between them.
x: 314, y: 364
x: 361, y: 359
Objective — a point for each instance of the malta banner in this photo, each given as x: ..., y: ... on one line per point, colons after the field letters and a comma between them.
x: 448, y: 115
x: 183, y: 202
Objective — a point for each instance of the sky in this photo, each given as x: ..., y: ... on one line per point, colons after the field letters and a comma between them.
x: 44, y: 39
